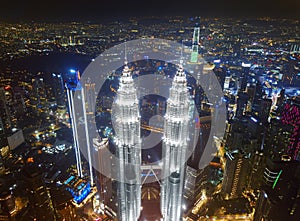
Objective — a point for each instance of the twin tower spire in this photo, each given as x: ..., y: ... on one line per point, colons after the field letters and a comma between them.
x: 128, y: 142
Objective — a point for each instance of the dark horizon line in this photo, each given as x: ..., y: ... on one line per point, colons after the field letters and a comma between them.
x: 112, y: 18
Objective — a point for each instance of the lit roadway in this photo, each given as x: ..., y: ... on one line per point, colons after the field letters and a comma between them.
x: 151, y: 128
x: 161, y: 130
x: 238, y: 217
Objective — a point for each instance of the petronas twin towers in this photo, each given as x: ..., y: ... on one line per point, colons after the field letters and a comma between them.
x: 175, y: 144
x: 174, y: 151
x: 128, y: 151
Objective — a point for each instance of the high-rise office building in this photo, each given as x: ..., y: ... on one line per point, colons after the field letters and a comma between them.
x: 19, y: 103
x: 73, y: 85
x: 175, y: 144
x: 39, y: 101
x: 291, y: 116
x: 236, y: 174
x: 256, y: 175
x: 59, y: 90
x: 128, y: 148
x: 264, y: 111
x: 277, y: 138
x: 250, y: 90
x: 280, y: 195
x: 242, y: 99
x: 195, y: 46
x: 263, y: 206
x: 192, y: 185
x: 39, y: 196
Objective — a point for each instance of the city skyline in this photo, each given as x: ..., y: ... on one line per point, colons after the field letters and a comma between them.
x: 108, y: 10
x: 252, y: 170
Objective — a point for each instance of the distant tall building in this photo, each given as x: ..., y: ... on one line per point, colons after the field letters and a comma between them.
x: 39, y: 196
x: 5, y: 115
x: 193, y: 178
x: 38, y: 99
x: 13, y: 104
x: 19, y: 103
x: 273, y: 171
x: 227, y: 82
x: 277, y: 138
x: 195, y: 44
x: 255, y: 127
x: 241, y: 100
x: 90, y: 95
x: 280, y: 197
x: 291, y: 116
x: 128, y: 148
x: 256, y: 168
x: 242, y: 82
x: 251, y: 91
x: 236, y: 174
x: 264, y: 112
x: 175, y: 144
x: 59, y: 90
x: 194, y: 175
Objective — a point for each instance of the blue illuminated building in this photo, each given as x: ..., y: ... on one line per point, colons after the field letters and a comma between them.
x: 78, y: 188
x: 73, y: 80
x: 73, y: 84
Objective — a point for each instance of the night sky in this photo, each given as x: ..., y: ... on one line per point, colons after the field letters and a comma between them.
x: 60, y: 10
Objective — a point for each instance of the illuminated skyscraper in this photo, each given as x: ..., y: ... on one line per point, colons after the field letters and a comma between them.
x: 39, y: 101
x: 195, y: 46
x: 291, y: 117
x: 72, y: 86
x: 128, y: 150
x: 236, y: 174
x: 58, y: 87
x: 175, y: 144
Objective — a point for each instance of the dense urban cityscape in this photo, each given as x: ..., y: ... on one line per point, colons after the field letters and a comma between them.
x: 48, y: 171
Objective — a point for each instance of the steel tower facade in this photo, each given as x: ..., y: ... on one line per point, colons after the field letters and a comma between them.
x: 195, y: 46
x: 175, y: 144
x: 72, y: 86
x: 128, y: 150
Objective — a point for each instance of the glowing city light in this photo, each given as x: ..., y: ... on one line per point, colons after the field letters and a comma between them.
x: 72, y: 71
